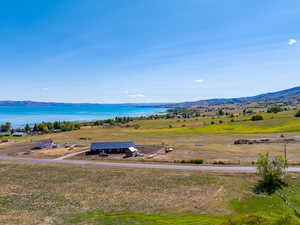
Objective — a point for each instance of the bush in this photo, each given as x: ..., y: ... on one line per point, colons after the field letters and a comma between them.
x: 137, y: 126
x: 297, y: 113
x: 271, y: 172
x: 257, y: 117
x: 219, y: 163
x: 197, y: 161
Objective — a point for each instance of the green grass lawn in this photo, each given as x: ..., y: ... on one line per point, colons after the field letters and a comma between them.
x: 272, y: 123
x: 146, y: 219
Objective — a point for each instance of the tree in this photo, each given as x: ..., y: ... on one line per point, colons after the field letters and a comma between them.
x: 27, y: 128
x: 220, y: 112
x: 257, y: 117
x: 274, y: 109
x: 247, y: 111
x: 297, y: 113
x: 42, y: 127
x: 5, y: 127
x: 272, y: 171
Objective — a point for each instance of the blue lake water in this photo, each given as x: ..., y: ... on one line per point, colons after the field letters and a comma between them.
x: 20, y: 115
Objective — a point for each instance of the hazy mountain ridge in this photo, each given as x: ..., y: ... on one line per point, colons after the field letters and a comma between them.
x: 287, y: 95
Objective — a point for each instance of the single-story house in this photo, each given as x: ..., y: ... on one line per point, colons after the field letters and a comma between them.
x: 49, y: 143
x: 112, y: 147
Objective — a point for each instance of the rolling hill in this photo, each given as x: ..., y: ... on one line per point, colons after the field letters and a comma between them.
x: 284, y: 96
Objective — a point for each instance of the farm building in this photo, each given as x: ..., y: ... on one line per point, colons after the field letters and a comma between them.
x: 112, y: 147
x: 5, y: 134
x: 19, y: 134
x: 45, y: 144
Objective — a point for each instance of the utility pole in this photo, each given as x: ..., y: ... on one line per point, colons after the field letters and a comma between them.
x: 285, y: 144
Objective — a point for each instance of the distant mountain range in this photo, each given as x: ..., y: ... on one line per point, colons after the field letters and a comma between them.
x: 284, y: 96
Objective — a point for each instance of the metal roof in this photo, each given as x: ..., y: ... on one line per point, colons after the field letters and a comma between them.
x: 111, y: 145
x: 44, y: 143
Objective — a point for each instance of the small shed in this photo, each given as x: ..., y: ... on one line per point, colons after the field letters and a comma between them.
x: 48, y: 143
x: 111, y: 147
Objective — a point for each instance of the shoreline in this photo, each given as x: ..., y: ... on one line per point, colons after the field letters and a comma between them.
x: 37, y: 114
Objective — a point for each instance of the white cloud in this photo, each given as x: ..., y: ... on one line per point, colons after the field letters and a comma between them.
x: 199, y: 81
x: 136, y: 96
x: 292, y: 41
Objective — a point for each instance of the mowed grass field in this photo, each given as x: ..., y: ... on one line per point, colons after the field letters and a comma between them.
x: 69, y: 194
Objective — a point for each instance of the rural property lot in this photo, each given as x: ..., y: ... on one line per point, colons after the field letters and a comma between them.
x: 209, y: 147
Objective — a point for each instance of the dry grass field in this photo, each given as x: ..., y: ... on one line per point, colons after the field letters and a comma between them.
x: 66, y: 194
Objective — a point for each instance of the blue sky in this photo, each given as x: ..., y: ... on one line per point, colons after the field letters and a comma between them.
x: 113, y: 51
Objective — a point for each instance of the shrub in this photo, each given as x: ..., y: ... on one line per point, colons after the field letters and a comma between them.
x: 271, y: 172
x: 257, y: 117
x: 220, y: 121
x: 219, y: 163
x: 197, y: 161
x: 170, y: 126
x: 297, y: 113
x: 212, y: 122
x: 137, y: 126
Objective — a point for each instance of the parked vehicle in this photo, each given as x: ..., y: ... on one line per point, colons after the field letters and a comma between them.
x: 103, y: 154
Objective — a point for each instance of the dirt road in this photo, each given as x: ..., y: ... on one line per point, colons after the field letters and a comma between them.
x: 141, y: 165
